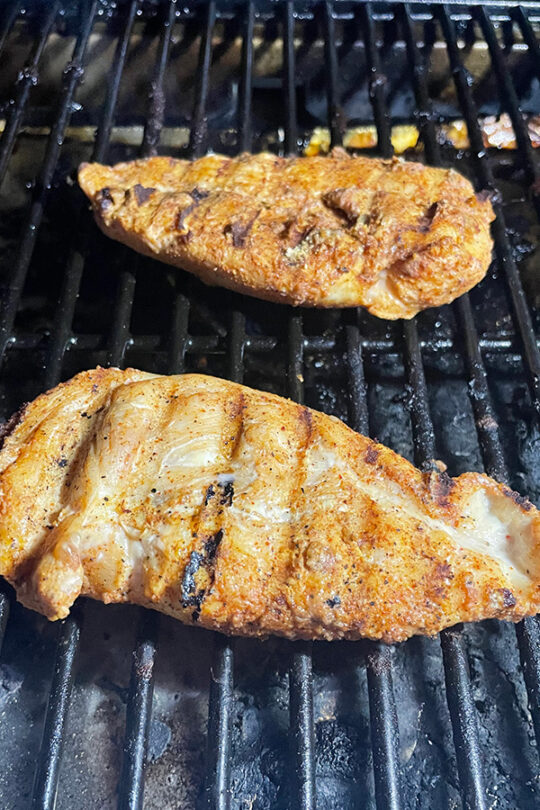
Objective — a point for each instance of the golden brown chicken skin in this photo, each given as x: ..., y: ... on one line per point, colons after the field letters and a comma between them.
x: 243, y: 512
x: 335, y: 231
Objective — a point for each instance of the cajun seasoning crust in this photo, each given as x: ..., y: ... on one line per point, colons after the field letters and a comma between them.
x: 335, y: 231
x: 242, y: 512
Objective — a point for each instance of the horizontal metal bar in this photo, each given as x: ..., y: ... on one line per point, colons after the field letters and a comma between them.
x: 202, y: 344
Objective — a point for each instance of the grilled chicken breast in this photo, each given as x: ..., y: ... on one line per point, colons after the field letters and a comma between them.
x: 243, y: 512
x: 333, y: 231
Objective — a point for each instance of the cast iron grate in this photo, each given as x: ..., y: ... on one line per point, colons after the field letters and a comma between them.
x: 248, y: 76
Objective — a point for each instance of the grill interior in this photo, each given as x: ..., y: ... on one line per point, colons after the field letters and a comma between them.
x: 93, y: 707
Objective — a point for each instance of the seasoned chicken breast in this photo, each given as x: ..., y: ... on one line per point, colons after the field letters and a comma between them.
x: 333, y: 231
x: 243, y: 512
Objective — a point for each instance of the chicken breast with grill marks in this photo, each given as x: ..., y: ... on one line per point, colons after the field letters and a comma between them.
x: 243, y: 512
x: 335, y: 231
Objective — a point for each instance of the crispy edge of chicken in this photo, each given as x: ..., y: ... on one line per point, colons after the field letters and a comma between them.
x: 327, y: 231
x: 242, y: 512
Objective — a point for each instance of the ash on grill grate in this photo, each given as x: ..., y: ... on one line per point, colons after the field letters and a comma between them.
x: 421, y: 725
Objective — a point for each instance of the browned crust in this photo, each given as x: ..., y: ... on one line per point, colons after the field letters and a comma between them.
x: 333, y: 231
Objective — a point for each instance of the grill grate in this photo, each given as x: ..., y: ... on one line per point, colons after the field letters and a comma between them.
x: 234, y: 336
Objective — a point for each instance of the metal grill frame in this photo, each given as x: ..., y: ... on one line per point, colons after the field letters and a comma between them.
x: 383, y: 712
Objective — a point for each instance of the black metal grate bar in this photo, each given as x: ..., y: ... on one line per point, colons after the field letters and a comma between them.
x: 218, y: 794
x: 201, y: 344
x: 103, y: 133
x: 528, y: 636
x: 458, y: 686
x: 179, y: 340
x: 220, y: 703
x: 382, y: 705
x: 73, y: 74
x: 335, y: 122
x: 464, y: 719
x: 301, y: 667
x: 138, y: 714
x: 244, y: 108
x: 377, y: 83
x: 289, y: 80
x: 220, y: 706
x: 48, y: 767
x: 486, y: 424
x: 384, y: 724
x: 301, y: 727
x: 503, y: 249
x: 28, y: 78
x: 141, y: 688
x: 302, y: 730
x: 156, y: 105
x: 199, y: 127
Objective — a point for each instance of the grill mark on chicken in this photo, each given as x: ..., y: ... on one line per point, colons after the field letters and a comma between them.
x: 239, y: 231
x: 299, y: 495
x: 409, y: 236
x: 142, y: 194
x: 200, y: 561
x: 104, y: 198
x: 227, y: 494
x: 340, y: 202
x: 426, y: 220
x: 190, y: 595
x: 197, y: 195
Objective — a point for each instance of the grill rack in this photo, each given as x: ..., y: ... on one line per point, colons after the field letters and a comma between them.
x: 384, y: 729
